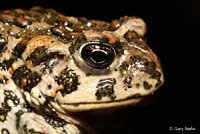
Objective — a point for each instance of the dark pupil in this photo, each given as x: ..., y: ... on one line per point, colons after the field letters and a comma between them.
x: 98, y: 55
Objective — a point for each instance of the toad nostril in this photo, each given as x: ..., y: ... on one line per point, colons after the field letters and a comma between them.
x: 97, y: 54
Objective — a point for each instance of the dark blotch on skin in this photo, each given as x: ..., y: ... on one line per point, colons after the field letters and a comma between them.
x: 18, y: 115
x: 59, y: 31
x: 156, y: 75
x: 54, y: 121
x: 20, y: 48
x: 127, y: 77
x: 105, y: 87
x: 3, y: 42
x: 27, y: 107
x: 10, y: 95
x: 16, y: 19
x: 146, y: 66
x: 141, y: 64
x: 25, y: 78
x: 119, y: 47
x: 128, y: 81
x: 146, y: 85
x: 48, y: 66
x: 158, y: 83
x: 3, y: 80
x: 49, y: 86
x: 137, y: 85
x: 6, y: 64
x: 124, y: 66
x: 38, y: 55
x: 22, y: 22
x: 131, y: 35
x: 41, y: 54
x: 4, y: 111
x: 69, y: 80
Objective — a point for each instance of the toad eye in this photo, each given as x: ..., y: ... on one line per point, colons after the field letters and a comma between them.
x: 97, y: 55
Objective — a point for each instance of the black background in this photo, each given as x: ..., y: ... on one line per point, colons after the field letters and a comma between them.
x: 172, y: 34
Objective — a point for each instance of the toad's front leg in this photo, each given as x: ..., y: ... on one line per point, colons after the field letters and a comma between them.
x: 17, y: 117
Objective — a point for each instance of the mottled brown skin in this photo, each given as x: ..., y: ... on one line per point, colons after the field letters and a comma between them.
x: 52, y: 65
